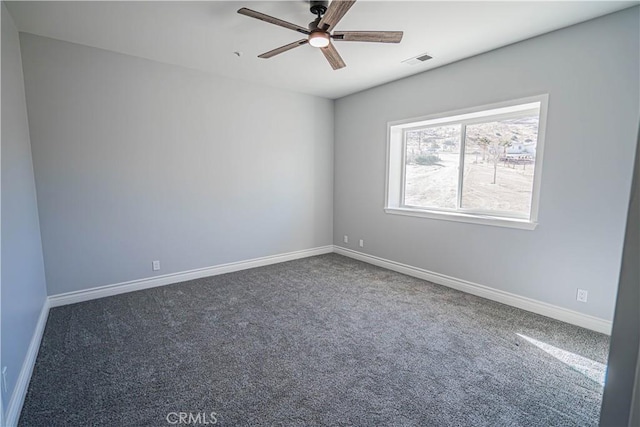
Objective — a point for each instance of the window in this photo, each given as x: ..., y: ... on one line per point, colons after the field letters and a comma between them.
x: 479, y: 165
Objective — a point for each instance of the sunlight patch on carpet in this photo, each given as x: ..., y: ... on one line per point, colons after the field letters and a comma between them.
x: 593, y: 370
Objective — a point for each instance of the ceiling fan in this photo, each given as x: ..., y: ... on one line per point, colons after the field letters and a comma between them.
x: 319, y: 31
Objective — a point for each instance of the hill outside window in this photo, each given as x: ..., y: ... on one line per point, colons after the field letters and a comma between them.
x: 480, y: 165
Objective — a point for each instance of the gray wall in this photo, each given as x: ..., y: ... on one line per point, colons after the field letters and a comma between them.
x: 138, y: 161
x: 591, y: 73
x: 618, y: 402
x: 22, y: 278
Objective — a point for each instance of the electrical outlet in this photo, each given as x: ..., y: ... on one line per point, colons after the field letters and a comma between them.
x: 4, y: 378
x: 582, y: 295
x: 361, y: 243
x: 346, y: 238
x: 155, y: 265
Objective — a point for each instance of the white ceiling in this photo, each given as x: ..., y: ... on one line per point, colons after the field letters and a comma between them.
x: 205, y: 35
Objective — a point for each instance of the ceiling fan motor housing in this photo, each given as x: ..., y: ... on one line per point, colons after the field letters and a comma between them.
x: 313, y: 25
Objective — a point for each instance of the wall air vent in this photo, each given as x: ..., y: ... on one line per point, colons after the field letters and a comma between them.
x: 417, y: 59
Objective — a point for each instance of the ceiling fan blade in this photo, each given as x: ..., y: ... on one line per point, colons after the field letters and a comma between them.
x: 369, y: 36
x: 333, y: 57
x: 284, y: 48
x: 272, y: 20
x: 334, y: 13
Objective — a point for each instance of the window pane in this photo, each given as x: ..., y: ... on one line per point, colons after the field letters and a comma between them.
x: 499, y: 164
x: 432, y: 158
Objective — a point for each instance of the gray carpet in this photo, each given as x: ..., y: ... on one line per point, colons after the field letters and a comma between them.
x: 319, y: 341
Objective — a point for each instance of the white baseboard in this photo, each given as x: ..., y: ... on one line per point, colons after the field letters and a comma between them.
x: 528, y: 304
x: 538, y: 307
x: 167, y: 279
x: 22, y: 384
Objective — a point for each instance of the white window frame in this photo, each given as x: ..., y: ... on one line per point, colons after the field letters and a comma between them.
x: 396, y: 151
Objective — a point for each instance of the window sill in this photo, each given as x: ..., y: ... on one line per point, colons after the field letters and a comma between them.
x: 522, y: 224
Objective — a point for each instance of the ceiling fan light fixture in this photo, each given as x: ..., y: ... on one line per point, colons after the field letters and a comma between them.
x: 319, y: 39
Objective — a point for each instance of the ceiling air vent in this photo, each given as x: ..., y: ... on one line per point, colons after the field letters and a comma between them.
x: 417, y: 59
